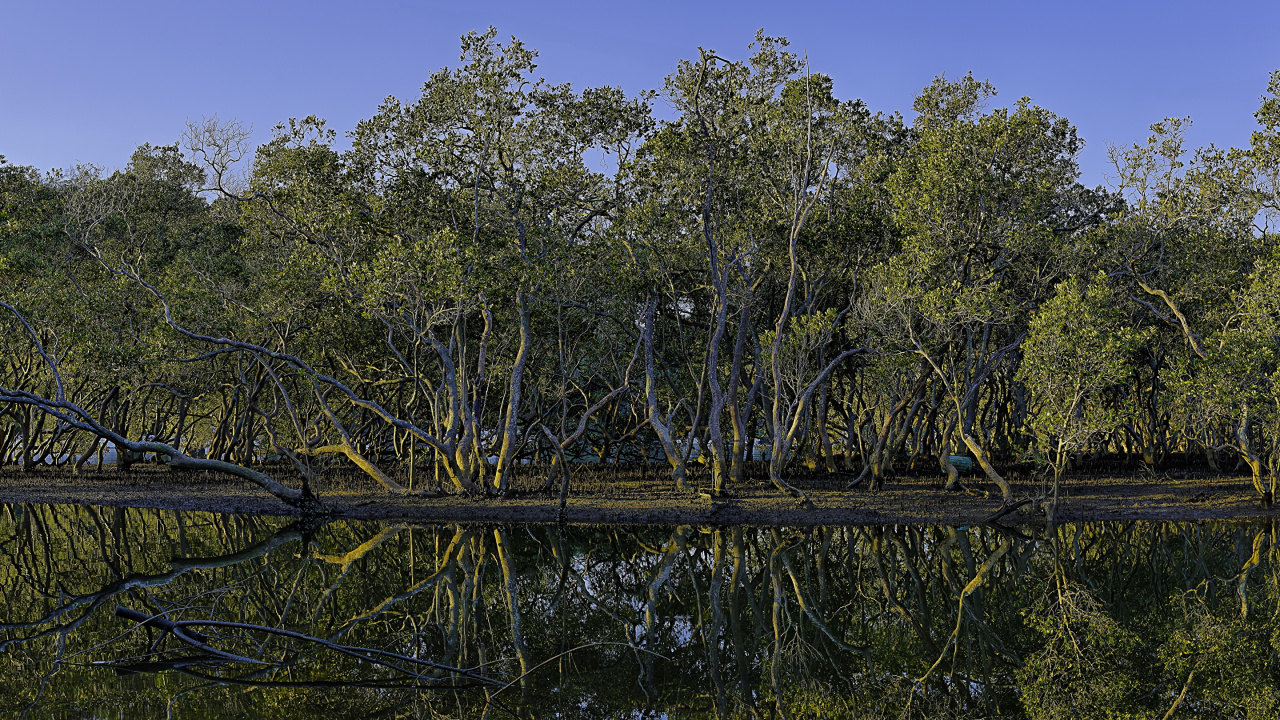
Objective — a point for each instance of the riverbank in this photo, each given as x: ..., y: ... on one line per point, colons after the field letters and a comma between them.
x: 652, y: 500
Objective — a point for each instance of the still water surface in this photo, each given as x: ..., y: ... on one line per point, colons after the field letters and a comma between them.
x: 267, y: 618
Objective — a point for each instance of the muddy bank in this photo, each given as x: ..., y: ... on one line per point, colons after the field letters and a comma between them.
x: 652, y: 500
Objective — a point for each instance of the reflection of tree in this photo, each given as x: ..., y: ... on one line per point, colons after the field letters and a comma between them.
x: 1087, y: 666
x: 358, y: 618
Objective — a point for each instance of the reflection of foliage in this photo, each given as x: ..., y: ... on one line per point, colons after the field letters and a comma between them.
x: 1229, y: 665
x: 1088, y: 666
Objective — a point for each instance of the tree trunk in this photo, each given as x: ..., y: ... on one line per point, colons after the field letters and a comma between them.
x: 1249, y: 456
x: 511, y: 430
x: 828, y: 456
x: 679, y: 473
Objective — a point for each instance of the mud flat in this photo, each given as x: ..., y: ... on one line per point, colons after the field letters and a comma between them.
x: 652, y: 500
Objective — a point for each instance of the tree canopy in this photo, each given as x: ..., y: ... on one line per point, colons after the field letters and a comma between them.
x: 506, y: 271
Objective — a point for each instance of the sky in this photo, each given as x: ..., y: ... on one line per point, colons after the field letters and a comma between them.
x: 87, y: 82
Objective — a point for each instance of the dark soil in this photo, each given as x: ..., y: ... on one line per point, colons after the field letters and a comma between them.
x: 605, y: 494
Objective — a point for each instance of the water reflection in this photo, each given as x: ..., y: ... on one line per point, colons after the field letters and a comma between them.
x: 259, y: 617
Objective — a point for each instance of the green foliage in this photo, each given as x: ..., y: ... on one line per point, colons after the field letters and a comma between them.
x: 1078, y: 346
x: 1231, y: 665
x: 1087, y: 667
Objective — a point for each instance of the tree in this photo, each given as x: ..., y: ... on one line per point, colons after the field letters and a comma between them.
x: 1077, y: 347
x: 985, y: 201
x: 748, y: 180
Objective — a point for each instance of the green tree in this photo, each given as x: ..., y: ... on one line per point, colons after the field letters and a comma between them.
x: 1077, y: 347
x: 986, y: 201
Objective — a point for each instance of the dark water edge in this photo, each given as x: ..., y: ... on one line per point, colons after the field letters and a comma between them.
x: 349, y: 618
x: 626, y: 497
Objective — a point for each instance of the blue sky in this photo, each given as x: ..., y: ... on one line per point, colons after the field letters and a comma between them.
x: 86, y: 82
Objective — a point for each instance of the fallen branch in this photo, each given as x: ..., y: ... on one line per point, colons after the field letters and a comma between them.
x: 1005, y: 509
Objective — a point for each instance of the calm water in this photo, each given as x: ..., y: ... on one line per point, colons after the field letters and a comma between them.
x: 345, y: 619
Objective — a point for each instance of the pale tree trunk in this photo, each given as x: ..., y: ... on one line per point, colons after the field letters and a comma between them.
x: 891, y: 431
x: 789, y: 422
x: 679, y: 473
x: 781, y: 449
x: 1249, y: 455
x: 970, y: 413
x: 7, y: 438
x: 966, y: 410
x: 719, y: 464
x: 873, y: 463
x: 980, y: 454
x: 944, y: 457
x: 804, y: 198
x: 719, y: 272
x: 455, y: 445
x: 898, y: 436
x: 737, y: 461
x: 346, y: 449
x: 511, y: 432
x: 24, y: 450
x: 559, y: 467
x: 828, y: 456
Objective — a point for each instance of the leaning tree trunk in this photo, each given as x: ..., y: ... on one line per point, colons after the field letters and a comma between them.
x: 1250, y: 456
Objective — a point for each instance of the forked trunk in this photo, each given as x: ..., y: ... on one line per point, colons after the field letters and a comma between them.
x: 660, y: 426
x: 511, y: 430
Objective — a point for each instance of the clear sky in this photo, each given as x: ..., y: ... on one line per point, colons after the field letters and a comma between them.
x: 86, y: 82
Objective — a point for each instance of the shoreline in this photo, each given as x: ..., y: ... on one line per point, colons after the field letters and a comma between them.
x: 907, y: 500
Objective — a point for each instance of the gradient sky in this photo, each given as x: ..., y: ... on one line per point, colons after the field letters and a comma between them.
x: 86, y: 82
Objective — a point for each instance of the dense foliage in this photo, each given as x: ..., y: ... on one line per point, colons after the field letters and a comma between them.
x: 507, y: 271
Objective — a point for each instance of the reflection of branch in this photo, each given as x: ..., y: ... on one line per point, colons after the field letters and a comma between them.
x: 1242, y: 587
x: 346, y: 561
x: 808, y: 608
x: 351, y: 650
x: 365, y: 548
x: 877, y: 560
x: 1008, y: 531
x: 383, y: 685
x: 1181, y: 695
x: 557, y: 656
x: 446, y: 570
x: 1005, y: 509
x: 580, y: 583
x: 194, y: 639
x: 178, y: 567
x: 969, y: 589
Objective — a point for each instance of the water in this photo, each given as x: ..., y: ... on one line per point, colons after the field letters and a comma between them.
x: 351, y: 619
